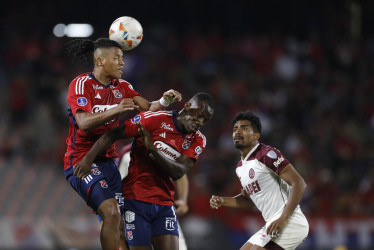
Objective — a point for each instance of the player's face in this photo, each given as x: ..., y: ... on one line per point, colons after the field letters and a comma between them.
x: 243, y: 135
x: 197, y: 115
x: 113, y: 63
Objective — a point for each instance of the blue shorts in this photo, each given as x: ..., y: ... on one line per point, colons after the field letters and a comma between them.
x: 103, y: 183
x: 145, y: 220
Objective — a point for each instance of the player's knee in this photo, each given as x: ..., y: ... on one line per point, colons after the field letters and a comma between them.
x: 110, y: 212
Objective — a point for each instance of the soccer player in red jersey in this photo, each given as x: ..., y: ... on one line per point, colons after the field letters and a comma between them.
x: 182, y: 185
x: 269, y: 182
x: 96, y: 100
x: 166, y: 146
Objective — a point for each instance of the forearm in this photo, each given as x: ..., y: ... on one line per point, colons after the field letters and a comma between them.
x: 87, y: 121
x: 102, y: 144
x: 172, y: 168
x: 156, y: 106
x: 182, y: 188
x: 296, y: 194
x: 238, y: 201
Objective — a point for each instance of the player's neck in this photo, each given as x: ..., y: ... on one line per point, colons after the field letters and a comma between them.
x: 244, y: 151
x: 103, y: 79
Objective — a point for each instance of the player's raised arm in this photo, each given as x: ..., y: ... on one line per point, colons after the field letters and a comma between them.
x: 175, y: 169
x: 83, y: 168
x: 239, y: 201
x: 167, y: 98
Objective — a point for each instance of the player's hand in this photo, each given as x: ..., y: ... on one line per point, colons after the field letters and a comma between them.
x: 182, y: 207
x: 126, y: 105
x: 275, y: 228
x: 82, y: 169
x: 172, y: 96
x: 216, y: 202
x: 146, y: 137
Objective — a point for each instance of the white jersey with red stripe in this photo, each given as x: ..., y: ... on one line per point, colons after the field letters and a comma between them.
x: 86, y: 93
x: 145, y: 180
x: 259, y: 176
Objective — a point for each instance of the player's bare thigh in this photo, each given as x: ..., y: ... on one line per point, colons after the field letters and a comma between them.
x: 165, y: 242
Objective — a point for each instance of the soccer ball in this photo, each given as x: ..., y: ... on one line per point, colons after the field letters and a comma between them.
x: 126, y: 31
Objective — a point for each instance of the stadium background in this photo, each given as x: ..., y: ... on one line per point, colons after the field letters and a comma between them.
x: 306, y: 67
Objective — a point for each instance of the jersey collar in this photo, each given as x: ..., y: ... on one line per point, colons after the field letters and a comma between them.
x: 104, y: 86
x: 250, y: 152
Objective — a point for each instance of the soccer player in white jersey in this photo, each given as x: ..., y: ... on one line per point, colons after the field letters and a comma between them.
x: 269, y: 182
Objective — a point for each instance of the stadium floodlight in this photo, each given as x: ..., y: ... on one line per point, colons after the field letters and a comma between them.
x: 73, y: 30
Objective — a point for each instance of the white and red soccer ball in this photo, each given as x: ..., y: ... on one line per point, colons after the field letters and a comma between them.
x: 126, y: 31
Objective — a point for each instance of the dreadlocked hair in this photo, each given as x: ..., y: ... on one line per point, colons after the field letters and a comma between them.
x: 83, y: 49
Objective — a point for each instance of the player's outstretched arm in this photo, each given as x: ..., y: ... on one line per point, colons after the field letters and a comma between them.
x: 87, y: 121
x: 167, y: 98
x: 175, y: 169
x: 239, y: 201
x: 83, y: 168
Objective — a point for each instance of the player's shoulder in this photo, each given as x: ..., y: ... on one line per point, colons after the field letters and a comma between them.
x: 200, y: 136
x: 79, y: 83
x: 152, y: 116
x: 264, y: 150
x: 123, y: 84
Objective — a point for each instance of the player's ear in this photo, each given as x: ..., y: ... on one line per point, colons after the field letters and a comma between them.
x: 257, y: 135
x: 187, y: 106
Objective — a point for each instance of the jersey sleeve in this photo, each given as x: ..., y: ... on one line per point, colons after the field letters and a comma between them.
x: 148, y: 122
x: 274, y: 160
x: 129, y: 90
x: 79, y: 95
x: 197, y: 146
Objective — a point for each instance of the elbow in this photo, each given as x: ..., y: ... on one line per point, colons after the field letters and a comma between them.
x: 176, y: 175
x: 83, y: 126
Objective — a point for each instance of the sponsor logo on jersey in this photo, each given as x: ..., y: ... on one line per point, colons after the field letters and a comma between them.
x: 272, y: 154
x: 186, y: 144
x: 102, y: 108
x: 251, y: 173
x: 129, y: 235
x: 97, y: 87
x: 167, y: 150
x: 198, y: 150
x: 95, y: 171
x: 279, y: 161
x: 98, y: 96
x: 129, y: 216
x: 116, y: 93
x: 136, y: 119
x: 130, y: 226
x: 103, y: 184
x: 166, y: 126
x: 170, y: 223
x: 82, y: 101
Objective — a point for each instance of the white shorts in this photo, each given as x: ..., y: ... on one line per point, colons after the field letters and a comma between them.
x: 292, y: 235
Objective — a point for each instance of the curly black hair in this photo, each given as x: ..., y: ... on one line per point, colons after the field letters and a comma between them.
x: 249, y: 116
x: 82, y: 50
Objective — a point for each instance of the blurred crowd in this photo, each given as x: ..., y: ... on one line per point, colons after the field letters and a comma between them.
x: 312, y: 92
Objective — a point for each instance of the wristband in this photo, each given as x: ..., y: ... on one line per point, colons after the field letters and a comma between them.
x: 164, y: 102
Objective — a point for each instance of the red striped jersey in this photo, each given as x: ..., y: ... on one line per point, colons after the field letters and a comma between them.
x: 145, y: 180
x: 86, y: 93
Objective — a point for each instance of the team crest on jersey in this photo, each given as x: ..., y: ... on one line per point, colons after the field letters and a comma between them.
x: 116, y: 93
x: 103, y: 184
x: 129, y: 235
x: 186, y: 144
x: 251, y: 173
x: 130, y: 87
x: 136, y: 119
x: 95, y: 171
x: 82, y: 101
x: 198, y: 150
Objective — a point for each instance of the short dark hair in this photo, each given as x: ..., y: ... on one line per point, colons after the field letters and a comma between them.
x: 202, y: 96
x: 249, y: 116
x: 83, y: 49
